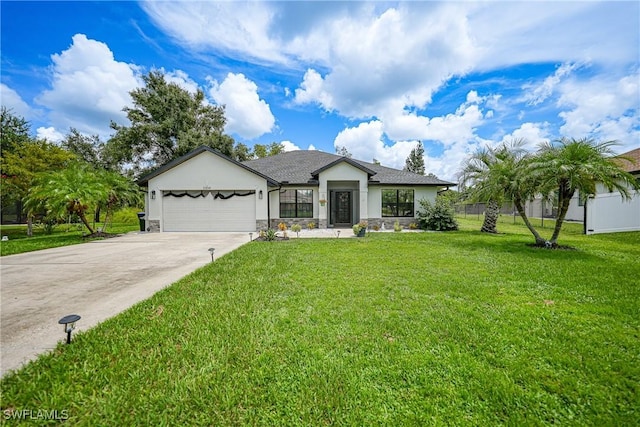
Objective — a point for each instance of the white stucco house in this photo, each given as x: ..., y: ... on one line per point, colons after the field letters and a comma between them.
x: 606, y: 211
x: 207, y: 191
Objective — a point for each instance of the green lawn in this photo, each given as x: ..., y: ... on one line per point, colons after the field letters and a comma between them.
x: 63, y: 235
x: 419, y: 329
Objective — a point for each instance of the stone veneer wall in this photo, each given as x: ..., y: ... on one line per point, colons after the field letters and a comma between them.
x: 389, y: 221
x: 153, y: 225
x: 261, y: 224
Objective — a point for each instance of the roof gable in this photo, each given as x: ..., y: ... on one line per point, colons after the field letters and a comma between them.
x: 202, y: 149
x: 347, y: 160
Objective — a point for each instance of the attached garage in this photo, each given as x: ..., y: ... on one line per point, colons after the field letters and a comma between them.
x: 206, y: 191
x: 209, y: 210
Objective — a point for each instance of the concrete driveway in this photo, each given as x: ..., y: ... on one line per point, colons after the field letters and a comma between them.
x: 96, y: 280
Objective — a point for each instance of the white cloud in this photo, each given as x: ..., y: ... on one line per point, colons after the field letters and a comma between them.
x: 311, y: 90
x: 289, y: 146
x: 448, y: 129
x: 602, y: 108
x: 544, y: 90
x: 247, y: 115
x: 182, y: 79
x: 89, y: 87
x: 50, y: 134
x: 237, y: 28
x: 12, y: 100
x: 532, y: 133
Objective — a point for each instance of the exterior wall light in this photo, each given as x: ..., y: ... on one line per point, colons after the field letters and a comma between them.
x: 153, y: 194
x: 260, y: 194
x: 211, y: 250
x: 69, y: 323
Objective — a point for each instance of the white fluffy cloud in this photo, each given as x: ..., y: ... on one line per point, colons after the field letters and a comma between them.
x: 603, y: 108
x: 89, y: 87
x: 182, y: 79
x: 532, y: 133
x: 247, y: 115
x: 540, y: 93
x: 11, y: 99
x: 50, y: 134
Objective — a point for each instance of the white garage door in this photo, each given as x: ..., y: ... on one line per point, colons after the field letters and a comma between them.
x: 236, y: 213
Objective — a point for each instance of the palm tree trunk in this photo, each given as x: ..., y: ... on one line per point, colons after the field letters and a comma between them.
x: 29, y: 226
x: 565, y: 200
x: 539, y: 240
x: 84, y: 220
x: 491, y: 215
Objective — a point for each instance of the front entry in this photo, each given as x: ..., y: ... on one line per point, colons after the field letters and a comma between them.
x: 341, y: 208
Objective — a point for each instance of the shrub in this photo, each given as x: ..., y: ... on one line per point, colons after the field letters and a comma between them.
x: 282, y: 226
x: 413, y: 226
x: 437, y: 216
x: 270, y: 235
x: 126, y: 216
x: 311, y: 225
x: 397, y: 227
x: 296, y: 228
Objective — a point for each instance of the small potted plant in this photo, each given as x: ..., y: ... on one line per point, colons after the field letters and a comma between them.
x: 322, y: 202
x: 360, y: 229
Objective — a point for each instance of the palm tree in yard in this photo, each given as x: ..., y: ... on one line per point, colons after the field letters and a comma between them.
x: 75, y: 190
x: 492, y: 175
x: 571, y: 165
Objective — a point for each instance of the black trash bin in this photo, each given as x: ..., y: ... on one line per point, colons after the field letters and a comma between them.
x: 141, y: 220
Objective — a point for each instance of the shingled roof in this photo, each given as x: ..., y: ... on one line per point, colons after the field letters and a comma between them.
x: 633, y: 165
x: 297, y: 167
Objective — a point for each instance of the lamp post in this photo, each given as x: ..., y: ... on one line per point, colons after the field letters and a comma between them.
x: 211, y: 250
x: 69, y: 323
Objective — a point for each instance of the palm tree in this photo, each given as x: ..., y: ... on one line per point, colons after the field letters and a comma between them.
x: 74, y: 190
x: 492, y: 175
x: 122, y: 192
x: 571, y: 165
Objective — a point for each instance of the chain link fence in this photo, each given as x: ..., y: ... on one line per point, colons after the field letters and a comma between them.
x: 536, y: 210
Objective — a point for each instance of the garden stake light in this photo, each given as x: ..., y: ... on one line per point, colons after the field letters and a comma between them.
x: 69, y: 323
x: 250, y: 237
x: 212, y: 250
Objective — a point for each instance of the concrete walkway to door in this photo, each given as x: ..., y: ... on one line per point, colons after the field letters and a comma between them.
x: 95, y: 280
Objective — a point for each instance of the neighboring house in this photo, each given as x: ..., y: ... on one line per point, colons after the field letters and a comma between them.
x: 207, y: 191
x: 606, y: 212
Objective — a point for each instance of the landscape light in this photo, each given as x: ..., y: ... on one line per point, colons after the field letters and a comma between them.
x: 69, y: 323
x: 250, y: 237
x: 211, y: 250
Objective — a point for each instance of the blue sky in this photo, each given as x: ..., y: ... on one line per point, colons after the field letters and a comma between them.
x: 375, y: 77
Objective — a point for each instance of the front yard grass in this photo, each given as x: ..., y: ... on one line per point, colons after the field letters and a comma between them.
x: 63, y: 235
x: 456, y: 328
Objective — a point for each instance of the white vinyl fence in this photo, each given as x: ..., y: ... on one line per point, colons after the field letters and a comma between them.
x: 608, y: 213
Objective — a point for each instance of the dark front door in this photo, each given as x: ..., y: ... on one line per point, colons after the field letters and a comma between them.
x: 341, y: 209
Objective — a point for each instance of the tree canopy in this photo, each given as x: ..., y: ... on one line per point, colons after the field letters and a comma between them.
x: 342, y: 151
x: 260, y: 151
x: 14, y: 130
x: 167, y: 122
x: 415, y: 160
